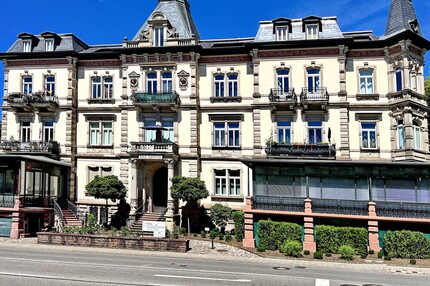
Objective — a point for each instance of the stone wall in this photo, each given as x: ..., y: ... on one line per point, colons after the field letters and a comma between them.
x: 139, y: 243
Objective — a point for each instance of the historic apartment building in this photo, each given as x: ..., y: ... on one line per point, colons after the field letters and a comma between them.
x: 303, y: 122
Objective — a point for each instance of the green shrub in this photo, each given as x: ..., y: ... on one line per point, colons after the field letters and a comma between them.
x: 306, y: 252
x: 388, y: 257
x: 407, y: 244
x: 261, y: 249
x: 371, y: 251
x: 291, y: 248
x: 203, y: 234
x: 239, y: 225
x: 318, y: 255
x: 195, y: 234
x: 363, y: 256
x: 346, y: 252
x: 221, y: 236
x: 273, y: 234
x: 328, y: 254
x: 182, y: 230
x: 330, y: 238
x: 220, y: 214
x: 412, y: 261
x: 228, y: 237
x: 213, y: 234
x: 380, y: 254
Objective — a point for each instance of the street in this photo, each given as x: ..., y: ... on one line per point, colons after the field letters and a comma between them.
x: 38, y: 265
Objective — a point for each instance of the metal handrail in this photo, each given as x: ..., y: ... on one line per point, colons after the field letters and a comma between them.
x: 76, y: 211
x: 59, y: 213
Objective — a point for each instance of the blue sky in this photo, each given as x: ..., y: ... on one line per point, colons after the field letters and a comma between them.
x: 109, y: 21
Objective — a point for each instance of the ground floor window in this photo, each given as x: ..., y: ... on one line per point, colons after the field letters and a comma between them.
x: 227, y: 183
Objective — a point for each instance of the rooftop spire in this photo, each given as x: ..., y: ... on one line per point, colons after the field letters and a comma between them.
x: 402, y: 17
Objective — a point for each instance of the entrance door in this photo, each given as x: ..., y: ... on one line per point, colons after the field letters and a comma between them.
x: 159, y: 185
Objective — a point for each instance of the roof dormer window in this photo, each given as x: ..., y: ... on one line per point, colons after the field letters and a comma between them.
x: 282, y: 33
x: 281, y: 28
x: 312, y: 26
x: 158, y: 37
x: 26, y: 46
x: 311, y: 31
x: 49, y: 45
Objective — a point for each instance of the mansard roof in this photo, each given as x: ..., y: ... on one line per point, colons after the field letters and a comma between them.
x: 178, y: 14
x: 402, y: 17
x: 65, y: 42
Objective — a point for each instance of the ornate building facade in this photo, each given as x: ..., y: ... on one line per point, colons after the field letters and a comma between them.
x: 303, y: 122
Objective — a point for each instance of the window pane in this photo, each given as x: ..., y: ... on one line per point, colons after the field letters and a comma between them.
x: 400, y: 190
x: 378, y: 190
x: 314, y: 188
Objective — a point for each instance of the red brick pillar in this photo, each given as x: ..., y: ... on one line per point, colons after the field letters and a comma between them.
x: 17, y: 219
x: 373, y: 228
x: 309, y: 243
x: 249, y: 240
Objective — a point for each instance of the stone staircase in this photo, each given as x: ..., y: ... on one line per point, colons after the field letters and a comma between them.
x: 70, y: 218
x: 137, y: 226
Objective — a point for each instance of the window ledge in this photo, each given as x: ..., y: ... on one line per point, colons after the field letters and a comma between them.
x: 225, y: 198
x: 226, y: 148
x: 101, y: 100
x: 369, y: 150
x: 100, y: 146
x: 367, y: 96
x: 226, y: 99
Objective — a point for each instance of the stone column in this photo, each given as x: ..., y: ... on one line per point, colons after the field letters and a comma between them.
x: 169, y: 213
x: 309, y: 242
x: 373, y: 229
x: 249, y: 240
x: 133, y: 187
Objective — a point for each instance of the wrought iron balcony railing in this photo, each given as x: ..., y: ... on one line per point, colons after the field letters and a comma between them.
x: 301, y: 150
x: 7, y: 200
x: 153, y: 148
x: 35, y: 99
x: 403, y: 209
x: 142, y: 97
x: 318, y: 95
x: 345, y: 207
x: 31, y: 147
x: 282, y: 96
x: 278, y: 204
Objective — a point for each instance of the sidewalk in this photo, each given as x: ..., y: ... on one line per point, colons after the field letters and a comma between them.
x: 201, y: 249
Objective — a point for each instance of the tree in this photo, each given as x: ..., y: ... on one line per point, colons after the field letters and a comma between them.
x: 427, y: 85
x: 108, y: 188
x: 188, y: 189
x: 220, y: 214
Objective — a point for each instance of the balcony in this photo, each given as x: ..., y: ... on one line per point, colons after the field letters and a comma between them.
x: 317, y: 97
x: 301, y: 150
x: 7, y: 200
x: 156, y: 100
x: 282, y: 204
x: 150, y: 148
x: 344, y: 207
x: 38, y: 100
x: 403, y: 209
x: 280, y: 97
x: 46, y: 148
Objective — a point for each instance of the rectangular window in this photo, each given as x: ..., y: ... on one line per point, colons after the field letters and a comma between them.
x: 108, y: 87
x: 400, y: 135
x: 227, y: 183
x: 220, y: 182
x: 234, y: 179
x: 168, y: 134
x: 219, y: 85
x: 232, y: 85
x: 311, y: 32
x: 314, y: 132
x: 151, y: 82
x: 226, y: 134
x: 101, y: 133
x: 166, y: 81
x: 150, y: 135
x: 219, y: 136
x: 313, y: 76
x: 283, y: 79
x: 25, y: 131
x: 366, y: 81
x: 416, y: 136
x: 27, y: 85
x: 399, y: 79
x: 48, y: 131
x: 282, y: 33
x: 368, y: 135
x: 50, y: 85
x: 26, y: 46
x: 49, y: 45
x: 233, y: 134
x: 96, y: 87
x: 284, y: 131
x: 158, y: 37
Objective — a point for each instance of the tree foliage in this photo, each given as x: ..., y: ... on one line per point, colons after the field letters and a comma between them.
x: 188, y: 189
x: 108, y: 188
x: 427, y: 85
x: 220, y: 214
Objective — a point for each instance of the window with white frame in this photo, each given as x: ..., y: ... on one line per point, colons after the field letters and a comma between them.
x: 49, y: 45
x: 313, y: 76
x: 232, y: 82
x: 283, y: 80
x: 150, y: 134
x: 107, y: 87
x: 27, y: 85
x: 401, y: 135
x: 282, y: 33
x: 96, y: 87
x: 312, y: 31
x: 101, y: 87
x: 50, y: 85
x: 168, y: 133
x: 94, y: 171
x: 101, y: 133
x: 416, y: 130
x: 25, y: 131
x: 158, y: 37
x: 226, y: 134
x: 48, y: 131
x: 151, y: 82
x: 227, y: 183
x: 284, y: 131
x: 366, y: 81
x: 368, y: 135
x: 166, y: 82
x: 219, y: 85
x: 398, y: 78
x: 26, y: 46
x: 314, y: 132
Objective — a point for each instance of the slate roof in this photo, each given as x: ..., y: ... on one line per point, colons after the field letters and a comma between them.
x: 179, y: 15
x: 330, y: 30
x: 402, y: 13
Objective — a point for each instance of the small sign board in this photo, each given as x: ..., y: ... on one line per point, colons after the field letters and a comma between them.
x: 151, y: 157
x: 158, y: 227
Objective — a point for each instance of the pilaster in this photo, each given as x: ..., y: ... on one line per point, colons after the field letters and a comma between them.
x: 256, y: 115
x: 169, y: 214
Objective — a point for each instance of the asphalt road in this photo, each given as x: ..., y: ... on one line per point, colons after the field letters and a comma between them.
x: 59, y: 266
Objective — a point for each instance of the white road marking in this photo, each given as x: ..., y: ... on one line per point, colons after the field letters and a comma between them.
x: 322, y: 282
x: 203, y: 278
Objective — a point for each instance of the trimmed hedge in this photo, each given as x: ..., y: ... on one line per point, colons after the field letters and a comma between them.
x: 330, y: 238
x: 273, y: 234
x: 239, y: 224
x: 407, y: 244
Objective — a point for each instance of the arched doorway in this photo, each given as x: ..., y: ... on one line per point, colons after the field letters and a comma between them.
x: 159, y: 187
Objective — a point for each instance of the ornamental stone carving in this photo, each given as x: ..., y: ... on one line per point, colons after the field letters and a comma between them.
x: 183, y: 79
x: 134, y: 80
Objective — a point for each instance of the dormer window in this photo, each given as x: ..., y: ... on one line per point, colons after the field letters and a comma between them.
x: 159, y: 37
x: 282, y: 33
x: 415, y: 26
x: 26, y: 46
x: 281, y: 28
x: 312, y: 26
x: 49, y: 45
x: 312, y: 31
